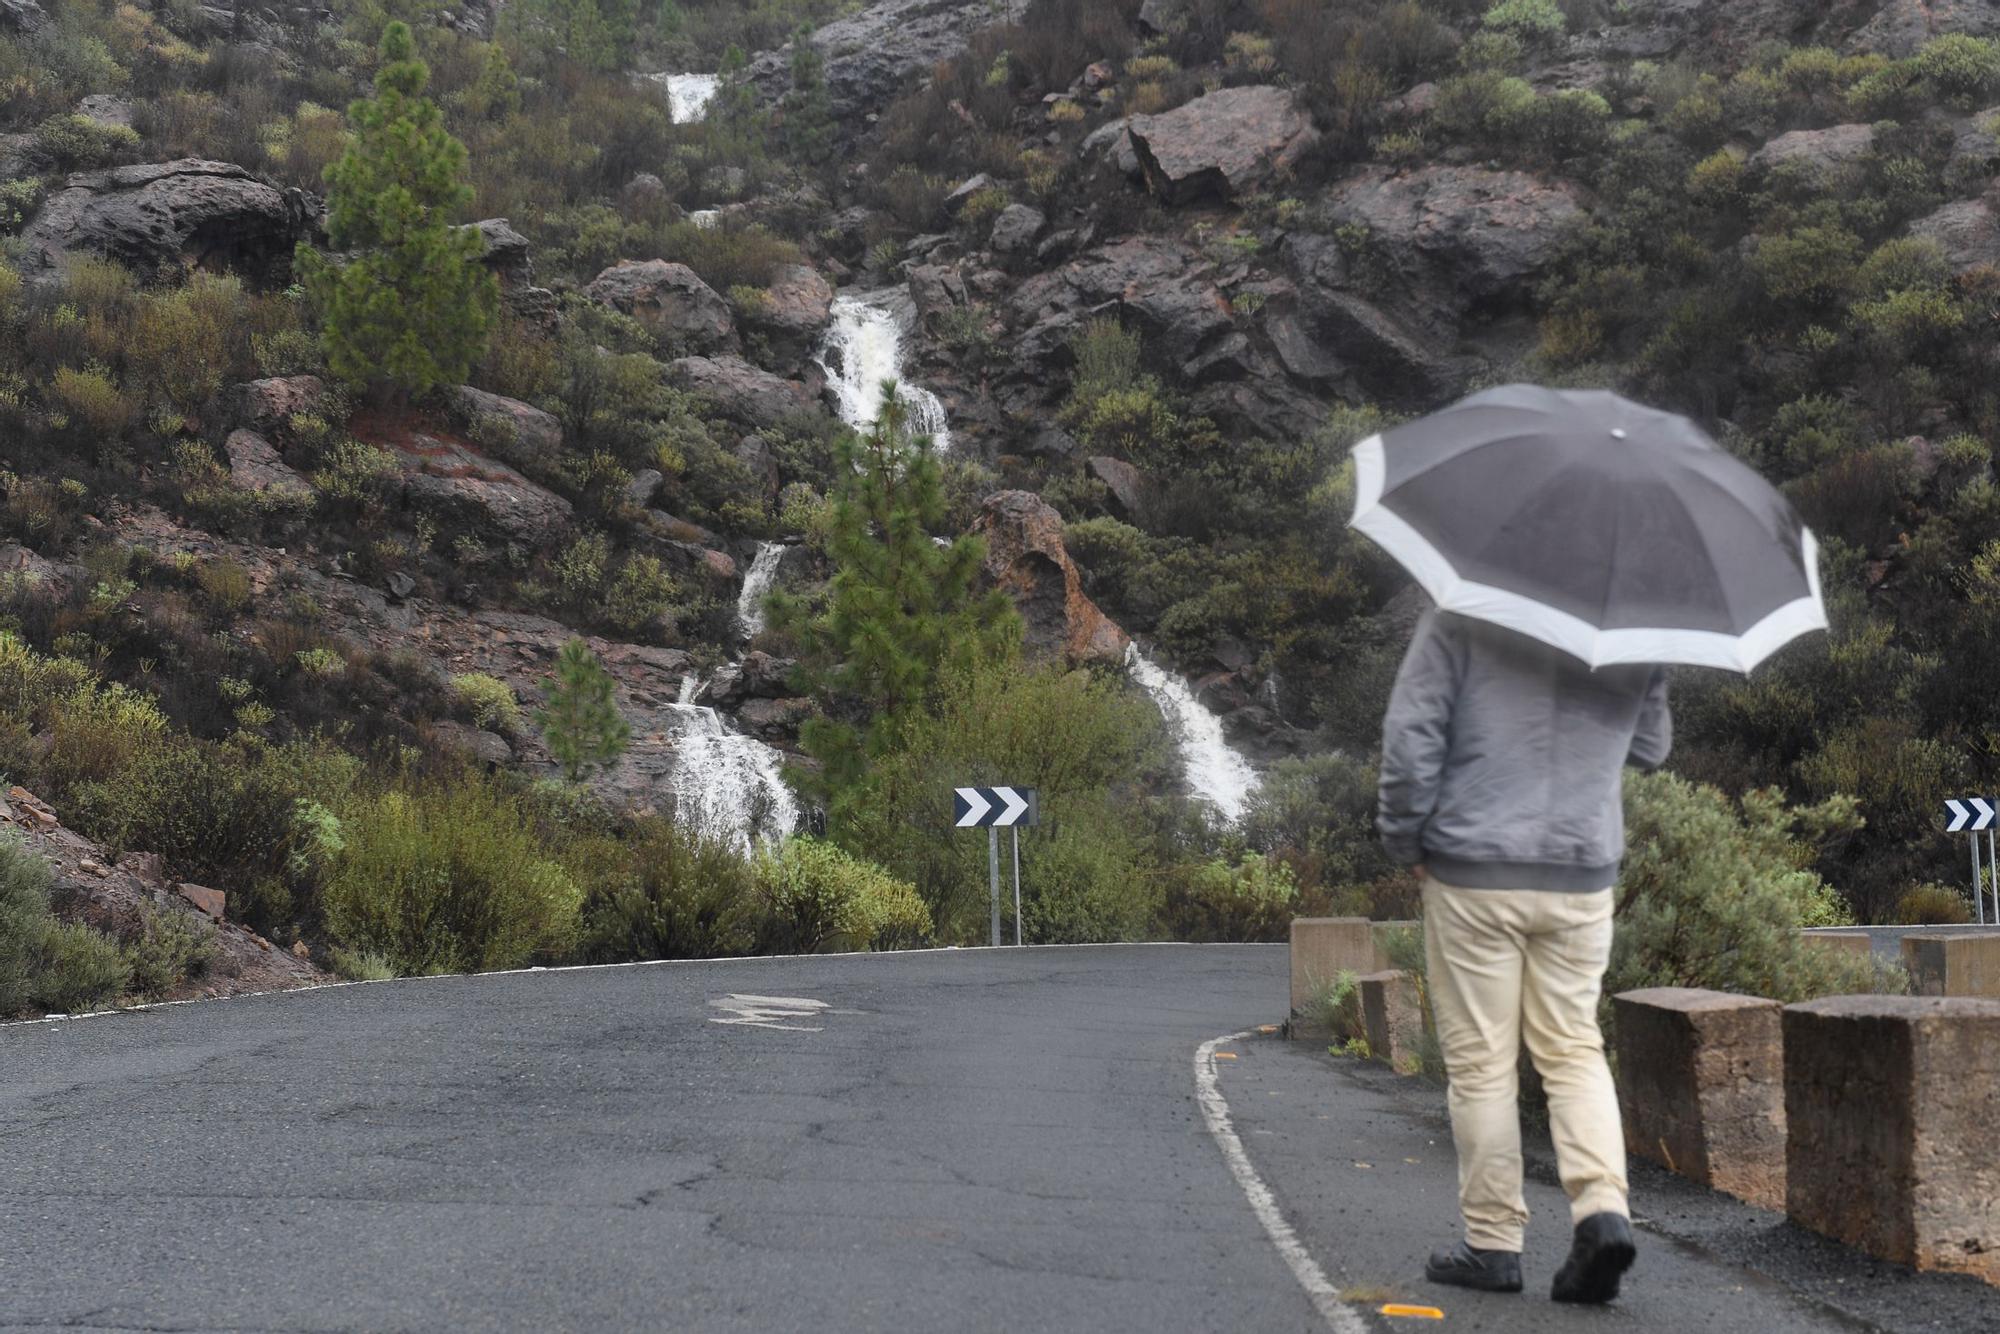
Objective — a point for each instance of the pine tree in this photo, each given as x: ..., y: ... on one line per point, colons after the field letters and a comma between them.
x: 902, y: 609
x: 735, y: 120
x: 412, y: 308
x: 808, y: 111
x: 581, y: 723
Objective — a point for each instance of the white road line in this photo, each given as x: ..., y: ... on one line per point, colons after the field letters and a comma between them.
x: 1215, y: 1110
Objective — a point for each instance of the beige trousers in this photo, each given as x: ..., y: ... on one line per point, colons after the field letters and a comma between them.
x: 1507, y: 964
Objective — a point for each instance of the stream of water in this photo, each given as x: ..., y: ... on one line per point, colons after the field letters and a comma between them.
x: 864, y: 347
x: 757, y: 582
x: 688, y: 95
x: 1215, y: 773
x: 725, y: 784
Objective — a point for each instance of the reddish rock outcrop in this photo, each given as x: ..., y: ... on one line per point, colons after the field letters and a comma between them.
x: 264, y: 406
x: 797, y: 307
x: 1222, y: 145
x: 1025, y: 558
x: 518, y: 432
x: 254, y: 465
x: 739, y: 390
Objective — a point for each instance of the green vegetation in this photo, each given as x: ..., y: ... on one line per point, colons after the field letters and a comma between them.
x: 412, y: 307
x: 581, y: 722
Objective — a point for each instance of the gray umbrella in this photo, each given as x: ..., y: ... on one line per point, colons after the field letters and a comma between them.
x: 1615, y: 532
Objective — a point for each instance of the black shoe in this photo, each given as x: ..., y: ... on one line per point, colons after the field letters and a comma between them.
x: 1598, y: 1258
x: 1463, y: 1267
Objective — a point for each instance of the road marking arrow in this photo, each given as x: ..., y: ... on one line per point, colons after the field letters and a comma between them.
x: 1017, y: 806
x: 769, y: 1011
x: 976, y: 805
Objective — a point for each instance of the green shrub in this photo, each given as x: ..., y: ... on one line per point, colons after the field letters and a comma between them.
x: 93, y: 402
x: 447, y: 878
x: 1482, y: 106
x: 1255, y: 899
x: 363, y: 965
x: 1532, y: 19
x: 24, y: 921
x: 488, y: 700
x: 81, y: 969
x: 1933, y: 905
x: 78, y: 143
x: 641, y: 595
x: 1714, y: 895
x: 1809, y: 266
x: 668, y: 892
x: 816, y: 897
x: 1571, y: 123
x: 1962, y: 71
x: 172, y: 947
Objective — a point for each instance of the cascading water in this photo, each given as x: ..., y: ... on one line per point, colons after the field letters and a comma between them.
x: 864, y: 347
x: 762, y: 574
x: 1215, y: 773
x: 727, y: 785
x: 707, y: 219
x: 688, y: 95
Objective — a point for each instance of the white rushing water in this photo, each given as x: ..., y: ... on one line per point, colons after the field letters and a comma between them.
x: 864, y: 347
x: 708, y: 219
x: 688, y: 95
x: 1215, y: 773
x: 727, y: 785
x: 756, y: 583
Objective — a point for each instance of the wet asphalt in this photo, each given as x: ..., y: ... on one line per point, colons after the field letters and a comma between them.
x: 950, y: 1140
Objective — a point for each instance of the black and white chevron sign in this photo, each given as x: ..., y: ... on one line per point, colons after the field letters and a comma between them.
x: 1969, y: 815
x: 999, y: 807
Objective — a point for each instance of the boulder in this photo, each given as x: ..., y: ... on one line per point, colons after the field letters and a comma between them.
x: 739, y: 390
x: 754, y: 453
x: 209, y: 901
x: 1025, y: 557
x: 797, y: 307
x: 1901, y: 27
x: 1015, y: 230
x: 1126, y: 484
x: 1968, y: 231
x: 22, y: 16
x: 520, y: 433
x: 674, y: 305
x: 162, y: 219
x: 482, y: 747
x: 956, y: 201
x: 265, y: 406
x: 1223, y: 145
x: 106, y: 109
x: 758, y: 676
x: 254, y: 465
x: 1112, y: 143
x: 506, y: 255
x: 877, y: 55
x: 1480, y: 231
x: 1820, y: 151
x: 772, y: 719
x: 645, y: 484
x: 483, y: 491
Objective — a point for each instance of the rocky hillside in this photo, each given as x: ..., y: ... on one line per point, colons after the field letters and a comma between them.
x: 1144, y: 271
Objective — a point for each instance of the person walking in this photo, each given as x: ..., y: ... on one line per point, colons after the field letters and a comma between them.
x: 1501, y: 785
x: 1573, y: 544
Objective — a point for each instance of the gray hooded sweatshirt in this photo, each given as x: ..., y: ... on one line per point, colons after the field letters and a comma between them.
x: 1503, y: 759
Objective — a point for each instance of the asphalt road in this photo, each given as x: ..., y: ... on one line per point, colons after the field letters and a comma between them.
x: 955, y: 1140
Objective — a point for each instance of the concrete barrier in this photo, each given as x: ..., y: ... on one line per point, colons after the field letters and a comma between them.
x: 1955, y: 964
x: 1392, y: 1015
x: 1701, y: 1082
x: 1890, y: 1104
x: 1325, y: 947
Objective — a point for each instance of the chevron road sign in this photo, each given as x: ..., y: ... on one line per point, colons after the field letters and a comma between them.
x: 995, y: 807
x: 1972, y: 814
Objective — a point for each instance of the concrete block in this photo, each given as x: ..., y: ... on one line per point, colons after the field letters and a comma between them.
x: 1954, y: 964
x: 1891, y: 1104
x: 1701, y: 1082
x: 1851, y: 942
x: 1393, y: 1018
x: 1325, y: 947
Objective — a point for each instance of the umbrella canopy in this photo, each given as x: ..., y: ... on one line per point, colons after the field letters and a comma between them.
x: 1612, y: 531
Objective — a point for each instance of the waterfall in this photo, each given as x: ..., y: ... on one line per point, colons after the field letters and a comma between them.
x: 1215, y: 773
x: 688, y: 95
x: 863, y: 348
x: 707, y: 219
x: 727, y: 785
x: 763, y: 573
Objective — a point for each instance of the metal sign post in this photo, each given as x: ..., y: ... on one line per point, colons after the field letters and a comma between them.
x: 1974, y: 816
x: 994, y: 809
